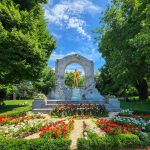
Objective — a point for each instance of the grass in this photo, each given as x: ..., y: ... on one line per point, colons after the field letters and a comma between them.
x: 141, y: 107
x: 13, y: 107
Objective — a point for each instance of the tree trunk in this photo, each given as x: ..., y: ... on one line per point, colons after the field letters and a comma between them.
x: 14, y: 96
x: 142, y: 88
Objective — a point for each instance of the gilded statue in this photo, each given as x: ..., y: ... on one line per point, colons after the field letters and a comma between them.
x: 75, y: 78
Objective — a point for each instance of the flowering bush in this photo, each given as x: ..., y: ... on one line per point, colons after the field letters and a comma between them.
x: 16, y: 120
x: 143, y: 116
x: 60, y: 129
x: 22, y: 129
x: 137, y: 122
x: 78, y: 109
x: 125, y: 112
x: 40, y: 96
x: 112, y: 128
x: 82, y: 116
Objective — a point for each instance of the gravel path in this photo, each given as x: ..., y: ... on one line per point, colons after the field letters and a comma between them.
x: 33, y: 136
x: 94, y: 128
x: 76, y: 133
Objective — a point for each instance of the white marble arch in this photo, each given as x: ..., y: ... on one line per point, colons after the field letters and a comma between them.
x: 87, y: 65
x: 63, y: 92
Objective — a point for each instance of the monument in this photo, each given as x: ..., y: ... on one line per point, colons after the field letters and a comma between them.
x: 64, y: 94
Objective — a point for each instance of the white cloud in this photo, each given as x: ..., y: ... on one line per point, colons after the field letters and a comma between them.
x: 68, y: 13
x: 56, y: 36
x: 55, y: 55
x: 90, y: 54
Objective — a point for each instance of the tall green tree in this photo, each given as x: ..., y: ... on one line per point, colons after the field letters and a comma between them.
x: 25, y: 44
x: 107, y: 85
x: 46, y: 81
x: 125, y: 43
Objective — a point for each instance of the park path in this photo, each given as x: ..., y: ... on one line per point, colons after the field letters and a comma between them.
x: 76, y: 133
x: 93, y: 127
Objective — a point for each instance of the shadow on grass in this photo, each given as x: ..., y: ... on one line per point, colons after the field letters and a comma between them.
x: 6, y: 108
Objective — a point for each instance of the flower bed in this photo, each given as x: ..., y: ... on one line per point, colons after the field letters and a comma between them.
x: 130, y: 113
x: 136, y: 122
x: 126, y: 112
x: 82, y: 116
x: 143, y: 116
x: 20, y: 127
x: 78, y: 109
x: 113, y: 128
x: 15, y: 120
x: 60, y: 129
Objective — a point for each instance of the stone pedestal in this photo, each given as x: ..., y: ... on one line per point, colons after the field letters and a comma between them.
x: 76, y: 94
x: 38, y: 103
x: 112, y: 104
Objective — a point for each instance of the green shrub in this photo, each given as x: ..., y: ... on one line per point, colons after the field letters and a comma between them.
x: 144, y: 138
x: 108, y: 142
x: 35, y: 144
x: 128, y: 140
x: 40, y: 96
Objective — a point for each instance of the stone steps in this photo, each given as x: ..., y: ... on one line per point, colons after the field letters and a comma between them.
x: 42, y: 110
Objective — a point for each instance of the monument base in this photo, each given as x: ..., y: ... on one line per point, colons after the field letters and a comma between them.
x: 76, y: 94
x: 45, y: 106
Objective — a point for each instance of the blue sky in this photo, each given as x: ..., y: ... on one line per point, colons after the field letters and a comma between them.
x: 71, y: 22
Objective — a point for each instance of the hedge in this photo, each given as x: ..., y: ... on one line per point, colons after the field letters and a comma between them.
x: 108, y: 142
x: 35, y: 144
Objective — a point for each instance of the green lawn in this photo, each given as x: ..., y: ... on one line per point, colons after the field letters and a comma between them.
x: 13, y: 108
x: 136, y: 106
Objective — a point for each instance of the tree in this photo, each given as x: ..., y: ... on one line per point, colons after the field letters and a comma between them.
x: 104, y: 82
x: 125, y: 43
x: 6, y: 91
x: 25, y: 44
x: 107, y: 86
x: 46, y: 82
x: 25, y: 90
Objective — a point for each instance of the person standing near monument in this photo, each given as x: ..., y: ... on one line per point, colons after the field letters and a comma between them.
x: 75, y: 78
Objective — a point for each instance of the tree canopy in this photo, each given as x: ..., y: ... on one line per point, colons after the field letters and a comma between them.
x: 46, y: 82
x: 125, y: 43
x: 25, y: 44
